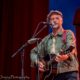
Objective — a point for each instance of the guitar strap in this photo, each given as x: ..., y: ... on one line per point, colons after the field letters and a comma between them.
x: 64, y: 36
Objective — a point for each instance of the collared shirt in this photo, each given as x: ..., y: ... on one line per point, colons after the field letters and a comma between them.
x: 53, y: 45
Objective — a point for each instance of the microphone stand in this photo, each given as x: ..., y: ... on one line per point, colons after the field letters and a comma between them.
x: 38, y: 75
x: 22, y: 49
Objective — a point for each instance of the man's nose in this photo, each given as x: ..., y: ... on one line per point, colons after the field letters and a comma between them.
x: 54, y: 21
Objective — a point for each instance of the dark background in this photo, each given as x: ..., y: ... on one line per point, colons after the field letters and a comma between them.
x: 18, y: 20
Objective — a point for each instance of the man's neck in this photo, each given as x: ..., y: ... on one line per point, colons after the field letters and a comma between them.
x: 56, y: 30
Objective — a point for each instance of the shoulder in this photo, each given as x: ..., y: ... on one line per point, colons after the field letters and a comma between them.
x: 46, y: 38
x: 69, y: 32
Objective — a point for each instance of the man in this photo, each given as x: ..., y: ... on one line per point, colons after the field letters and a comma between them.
x: 57, y: 43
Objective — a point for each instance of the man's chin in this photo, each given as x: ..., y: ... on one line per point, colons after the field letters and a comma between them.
x: 55, y: 27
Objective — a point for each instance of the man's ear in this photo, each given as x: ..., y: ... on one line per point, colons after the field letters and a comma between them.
x: 62, y: 21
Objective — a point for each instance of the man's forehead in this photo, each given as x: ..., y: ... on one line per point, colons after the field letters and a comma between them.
x: 56, y: 15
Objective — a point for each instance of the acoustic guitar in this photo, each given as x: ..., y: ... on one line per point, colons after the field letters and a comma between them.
x: 50, y: 68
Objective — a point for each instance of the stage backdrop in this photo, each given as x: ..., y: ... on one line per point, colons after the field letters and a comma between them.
x: 18, y: 20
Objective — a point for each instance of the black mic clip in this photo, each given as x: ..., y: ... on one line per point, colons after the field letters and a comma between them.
x: 46, y: 23
x: 33, y: 40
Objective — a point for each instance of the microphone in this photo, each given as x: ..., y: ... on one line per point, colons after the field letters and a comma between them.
x: 46, y: 23
x: 53, y: 23
x: 33, y: 40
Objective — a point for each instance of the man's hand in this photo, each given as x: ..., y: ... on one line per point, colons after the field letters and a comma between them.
x: 41, y: 65
x: 60, y: 58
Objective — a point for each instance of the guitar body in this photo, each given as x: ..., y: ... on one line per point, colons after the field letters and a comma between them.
x: 50, y: 67
x: 44, y: 76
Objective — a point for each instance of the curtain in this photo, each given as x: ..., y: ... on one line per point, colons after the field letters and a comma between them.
x: 18, y: 20
x: 76, y: 23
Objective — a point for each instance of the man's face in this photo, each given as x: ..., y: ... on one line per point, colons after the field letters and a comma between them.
x: 57, y: 20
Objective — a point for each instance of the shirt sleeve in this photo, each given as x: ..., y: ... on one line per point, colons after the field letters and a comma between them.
x: 71, y: 41
x: 37, y: 52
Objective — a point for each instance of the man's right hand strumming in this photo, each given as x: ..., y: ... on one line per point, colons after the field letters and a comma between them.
x: 41, y: 66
